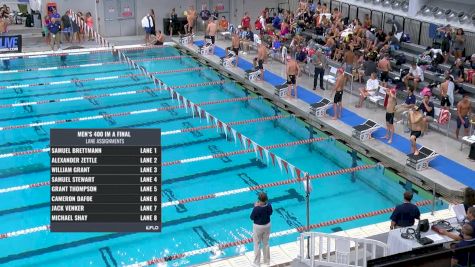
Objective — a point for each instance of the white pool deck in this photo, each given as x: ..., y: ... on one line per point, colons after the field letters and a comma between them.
x: 283, y: 255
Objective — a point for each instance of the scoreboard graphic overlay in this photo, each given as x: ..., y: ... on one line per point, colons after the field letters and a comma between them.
x: 105, y: 180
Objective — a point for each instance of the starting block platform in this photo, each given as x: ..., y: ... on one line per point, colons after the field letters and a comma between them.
x: 319, y: 109
x: 364, y: 131
x: 186, y: 39
x: 421, y: 161
x: 281, y: 90
x: 252, y: 75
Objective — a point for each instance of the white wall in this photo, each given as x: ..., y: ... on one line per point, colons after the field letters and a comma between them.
x: 162, y: 9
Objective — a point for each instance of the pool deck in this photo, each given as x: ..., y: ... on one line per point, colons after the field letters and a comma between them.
x: 285, y: 254
x: 388, y: 155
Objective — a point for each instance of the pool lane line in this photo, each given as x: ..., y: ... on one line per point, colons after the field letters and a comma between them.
x: 99, y: 78
x: 242, y: 151
x: 226, y: 245
x: 78, y: 98
x: 135, y: 112
x: 262, y: 186
x: 57, y: 54
x: 216, y: 195
x: 184, y: 130
x: 91, y: 65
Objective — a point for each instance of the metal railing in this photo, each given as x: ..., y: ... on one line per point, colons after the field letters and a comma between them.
x: 333, y: 250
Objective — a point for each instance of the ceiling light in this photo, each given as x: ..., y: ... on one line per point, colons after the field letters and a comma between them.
x: 450, y: 15
x: 386, y: 3
x: 426, y: 10
x: 405, y: 6
x: 396, y: 4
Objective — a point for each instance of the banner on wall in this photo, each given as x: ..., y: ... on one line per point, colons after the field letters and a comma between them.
x: 10, y: 44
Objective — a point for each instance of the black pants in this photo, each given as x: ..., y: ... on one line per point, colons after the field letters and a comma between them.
x: 472, y: 152
x: 318, y: 72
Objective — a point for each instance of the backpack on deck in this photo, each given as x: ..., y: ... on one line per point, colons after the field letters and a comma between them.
x: 443, y: 117
x: 400, y: 59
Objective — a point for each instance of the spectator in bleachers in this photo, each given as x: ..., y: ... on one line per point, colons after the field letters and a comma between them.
x: 246, y: 22
x: 367, y: 23
x: 394, y: 43
x: 380, y: 37
x: 276, y: 22
x: 372, y: 86
x: 369, y: 66
x: 459, y: 43
x: 427, y: 109
x: 464, y: 108
x: 409, y: 103
x: 446, y: 40
x: 349, y: 59
x: 457, y: 71
x: 390, y: 109
x: 284, y: 28
x: 415, y: 74
x: 223, y: 24
x: 384, y: 66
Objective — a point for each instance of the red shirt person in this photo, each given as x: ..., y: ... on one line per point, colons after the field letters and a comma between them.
x: 246, y: 21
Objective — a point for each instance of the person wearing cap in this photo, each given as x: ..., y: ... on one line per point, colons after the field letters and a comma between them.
x: 292, y: 70
x: 427, y: 109
x: 320, y: 63
x: 415, y: 74
x: 416, y: 122
x: 372, y: 85
x: 338, y: 90
x: 260, y: 215
x: 463, y: 115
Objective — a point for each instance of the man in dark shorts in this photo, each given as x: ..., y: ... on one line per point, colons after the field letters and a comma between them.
x: 384, y: 66
x: 444, y: 89
x: 404, y: 215
x: 416, y: 121
x: 293, y: 71
x: 338, y: 98
x: 390, y: 109
x: 463, y: 115
x: 261, y: 57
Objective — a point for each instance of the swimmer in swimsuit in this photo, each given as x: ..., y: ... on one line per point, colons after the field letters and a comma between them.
x: 293, y: 70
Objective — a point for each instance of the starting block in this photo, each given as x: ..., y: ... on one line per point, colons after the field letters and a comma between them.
x: 206, y: 49
x: 319, y: 109
x: 252, y: 75
x: 364, y: 131
x: 186, y: 39
x: 229, y: 60
x: 281, y: 90
x: 421, y: 161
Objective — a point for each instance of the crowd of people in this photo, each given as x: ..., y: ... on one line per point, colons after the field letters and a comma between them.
x: 365, y: 53
x: 59, y: 29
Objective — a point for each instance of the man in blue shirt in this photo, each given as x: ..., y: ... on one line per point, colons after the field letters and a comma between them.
x: 261, y: 229
x: 407, y: 105
x: 405, y: 214
x: 427, y: 108
x: 461, y: 258
x: 276, y: 22
x: 54, y: 28
x: 471, y: 221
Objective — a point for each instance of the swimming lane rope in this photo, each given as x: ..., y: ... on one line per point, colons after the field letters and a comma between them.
x: 214, y: 195
x: 102, y: 78
x: 222, y: 246
x: 121, y: 114
x: 91, y: 64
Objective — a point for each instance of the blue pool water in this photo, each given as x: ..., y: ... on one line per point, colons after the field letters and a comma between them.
x: 185, y: 227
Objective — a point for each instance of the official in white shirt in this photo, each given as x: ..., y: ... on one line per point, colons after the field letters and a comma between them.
x: 372, y: 86
x: 147, y: 25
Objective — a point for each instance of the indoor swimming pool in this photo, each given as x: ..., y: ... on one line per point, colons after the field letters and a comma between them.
x: 98, y: 90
